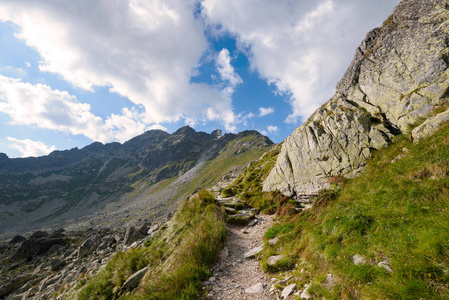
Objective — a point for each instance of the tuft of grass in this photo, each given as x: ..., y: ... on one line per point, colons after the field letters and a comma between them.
x: 248, y: 186
x: 107, y: 283
x: 278, y: 229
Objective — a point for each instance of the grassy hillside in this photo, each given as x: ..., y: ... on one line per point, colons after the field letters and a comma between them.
x: 178, y: 257
x: 382, y: 235
x: 395, y: 214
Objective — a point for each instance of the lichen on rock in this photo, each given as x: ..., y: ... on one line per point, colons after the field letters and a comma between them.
x: 398, y: 76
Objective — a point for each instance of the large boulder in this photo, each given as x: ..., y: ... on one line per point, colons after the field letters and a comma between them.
x: 398, y: 75
x: 12, y: 285
x: 133, y: 281
x: 132, y: 234
x: 17, y: 239
x: 88, y: 246
x: 35, y: 247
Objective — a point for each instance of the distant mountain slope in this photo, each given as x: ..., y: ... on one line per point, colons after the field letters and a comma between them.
x: 70, y: 186
x: 399, y: 74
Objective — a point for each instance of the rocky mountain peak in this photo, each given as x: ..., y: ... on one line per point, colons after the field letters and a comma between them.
x: 70, y: 184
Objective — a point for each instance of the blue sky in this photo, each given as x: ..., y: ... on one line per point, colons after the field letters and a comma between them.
x: 74, y: 72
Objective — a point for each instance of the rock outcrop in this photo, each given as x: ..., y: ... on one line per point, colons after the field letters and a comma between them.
x: 398, y: 76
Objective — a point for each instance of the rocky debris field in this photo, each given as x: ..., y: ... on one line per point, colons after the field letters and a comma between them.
x: 46, y: 265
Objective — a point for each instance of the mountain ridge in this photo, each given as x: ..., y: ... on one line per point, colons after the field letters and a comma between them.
x: 76, y: 183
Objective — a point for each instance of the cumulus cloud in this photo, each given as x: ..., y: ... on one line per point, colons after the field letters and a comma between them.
x: 146, y: 51
x: 39, y: 105
x: 263, y: 111
x: 30, y: 148
x: 300, y: 47
x: 272, y: 129
x: 226, y: 70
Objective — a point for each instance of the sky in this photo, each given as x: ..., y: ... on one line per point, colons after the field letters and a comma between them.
x: 77, y: 71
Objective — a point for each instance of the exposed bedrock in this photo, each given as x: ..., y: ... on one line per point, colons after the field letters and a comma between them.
x: 398, y: 76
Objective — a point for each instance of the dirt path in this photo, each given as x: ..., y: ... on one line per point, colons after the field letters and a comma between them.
x: 235, y: 276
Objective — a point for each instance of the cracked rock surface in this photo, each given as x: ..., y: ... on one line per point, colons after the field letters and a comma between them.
x: 398, y: 76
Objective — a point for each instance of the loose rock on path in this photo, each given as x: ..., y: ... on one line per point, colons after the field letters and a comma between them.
x: 237, y: 277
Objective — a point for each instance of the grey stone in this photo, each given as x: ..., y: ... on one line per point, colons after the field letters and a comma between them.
x: 133, y: 235
x: 252, y: 223
x: 133, y: 281
x: 241, y: 218
x: 358, y: 259
x: 329, y: 282
x: 255, y: 289
x: 48, y: 281
x: 224, y: 253
x: 430, y: 126
x: 56, y: 249
x: 13, y: 284
x: 284, y: 281
x: 272, y: 260
x: 251, y: 253
x: 273, y: 241
x: 87, y: 247
x: 385, y: 265
x: 15, y: 296
x: 57, y: 264
x: 153, y: 229
x: 37, y: 246
x: 306, y: 293
x: 288, y: 290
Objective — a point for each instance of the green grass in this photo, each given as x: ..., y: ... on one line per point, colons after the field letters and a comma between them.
x: 178, y: 258
x: 395, y: 212
x: 249, y: 187
x: 278, y: 229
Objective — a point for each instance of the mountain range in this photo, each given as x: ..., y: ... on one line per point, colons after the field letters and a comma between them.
x: 75, y: 184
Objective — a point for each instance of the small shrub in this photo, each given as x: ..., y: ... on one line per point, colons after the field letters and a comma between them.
x: 287, y: 210
x: 337, y: 180
x: 229, y: 192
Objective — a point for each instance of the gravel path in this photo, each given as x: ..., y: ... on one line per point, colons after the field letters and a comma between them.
x: 235, y: 276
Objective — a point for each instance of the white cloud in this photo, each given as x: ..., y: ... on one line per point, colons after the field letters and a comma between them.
x: 301, y: 47
x: 263, y: 111
x: 146, y: 51
x: 30, y: 148
x: 272, y: 129
x: 157, y: 126
x: 28, y: 64
x: 226, y: 70
x: 40, y: 106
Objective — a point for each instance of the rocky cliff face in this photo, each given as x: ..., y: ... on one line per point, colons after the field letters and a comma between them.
x: 398, y: 76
